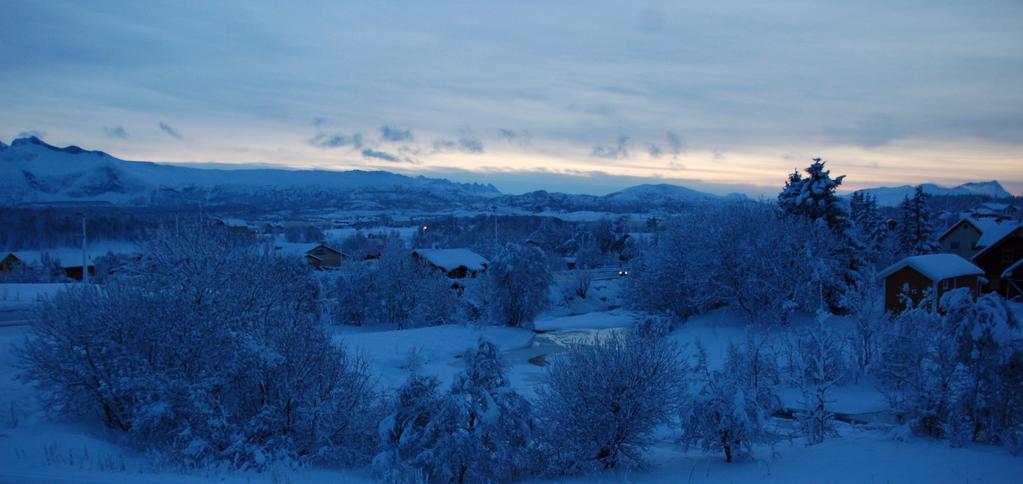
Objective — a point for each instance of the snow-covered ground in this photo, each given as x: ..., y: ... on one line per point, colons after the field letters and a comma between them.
x: 36, y: 449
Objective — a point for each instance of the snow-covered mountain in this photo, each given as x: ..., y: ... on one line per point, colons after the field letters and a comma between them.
x: 892, y: 196
x: 32, y: 171
x: 659, y: 194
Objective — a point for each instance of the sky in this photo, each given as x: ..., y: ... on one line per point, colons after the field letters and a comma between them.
x: 581, y: 97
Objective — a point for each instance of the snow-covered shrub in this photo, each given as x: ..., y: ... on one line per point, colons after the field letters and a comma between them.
x: 957, y: 374
x: 730, y: 407
x: 480, y: 431
x: 516, y: 285
x: 818, y: 363
x: 394, y: 291
x: 210, y: 352
x: 599, y: 404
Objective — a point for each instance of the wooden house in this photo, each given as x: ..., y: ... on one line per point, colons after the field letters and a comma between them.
x: 912, y: 277
x: 323, y: 256
x: 9, y: 261
x: 455, y: 263
x: 993, y: 244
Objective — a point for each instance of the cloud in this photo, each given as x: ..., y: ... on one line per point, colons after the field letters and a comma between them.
x: 675, y: 144
x: 390, y: 133
x: 616, y: 151
x: 464, y: 144
x: 380, y: 155
x: 320, y: 121
x: 115, y: 131
x: 337, y: 140
x: 30, y: 133
x: 521, y: 137
x: 166, y: 128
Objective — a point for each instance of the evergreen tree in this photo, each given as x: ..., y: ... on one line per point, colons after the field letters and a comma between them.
x: 482, y: 428
x: 916, y: 233
x: 814, y: 197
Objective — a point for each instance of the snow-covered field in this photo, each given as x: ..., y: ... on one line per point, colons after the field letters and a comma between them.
x: 36, y: 449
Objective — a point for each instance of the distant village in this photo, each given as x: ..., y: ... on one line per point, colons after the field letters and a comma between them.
x: 982, y: 250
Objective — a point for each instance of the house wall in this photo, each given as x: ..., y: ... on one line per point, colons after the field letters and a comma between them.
x: 961, y: 240
x: 893, y: 288
x: 998, y: 258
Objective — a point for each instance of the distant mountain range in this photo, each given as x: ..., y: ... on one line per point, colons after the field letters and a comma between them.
x: 35, y: 172
x: 892, y: 196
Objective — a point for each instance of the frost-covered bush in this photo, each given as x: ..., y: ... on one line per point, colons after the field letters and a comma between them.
x: 957, y: 374
x: 480, y: 431
x: 731, y: 406
x: 516, y: 284
x: 599, y: 404
x: 395, y: 290
x: 211, y: 352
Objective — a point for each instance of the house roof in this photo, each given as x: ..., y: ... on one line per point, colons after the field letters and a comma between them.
x: 1015, y: 268
x: 451, y: 259
x: 935, y: 267
x: 991, y: 230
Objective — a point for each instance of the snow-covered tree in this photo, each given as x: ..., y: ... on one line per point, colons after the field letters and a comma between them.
x: 731, y: 406
x: 600, y: 403
x: 743, y: 255
x: 479, y: 432
x: 406, y: 441
x: 395, y: 291
x: 916, y: 232
x: 865, y: 303
x: 817, y: 364
x: 814, y: 197
x: 957, y: 374
x: 210, y: 351
x: 516, y: 285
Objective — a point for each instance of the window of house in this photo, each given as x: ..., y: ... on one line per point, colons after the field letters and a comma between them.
x: 1008, y: 255
x: 946, y: 284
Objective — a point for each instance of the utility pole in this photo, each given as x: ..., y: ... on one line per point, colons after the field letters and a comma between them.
x: 85, y: 254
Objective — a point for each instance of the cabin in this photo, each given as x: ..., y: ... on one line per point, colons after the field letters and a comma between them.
x: 9, y: 262
x: 939, y: 273
x: 972, y: 234
x: 999, y: 256
x: 454, y: 263
x: 322, y: 256
x: 993, y: 244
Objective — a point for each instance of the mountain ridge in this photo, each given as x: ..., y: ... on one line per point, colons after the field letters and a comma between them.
x: 893, y: 196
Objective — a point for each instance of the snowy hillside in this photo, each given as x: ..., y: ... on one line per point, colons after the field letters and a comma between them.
x: 32, y: 171
x: 892, y: 196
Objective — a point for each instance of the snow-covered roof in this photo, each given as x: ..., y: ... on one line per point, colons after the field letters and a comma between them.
x: 1015, y: 268
x: 72, y: 256
x: 936, y: 267
x: 991, y: 230
x: 451, y: 259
